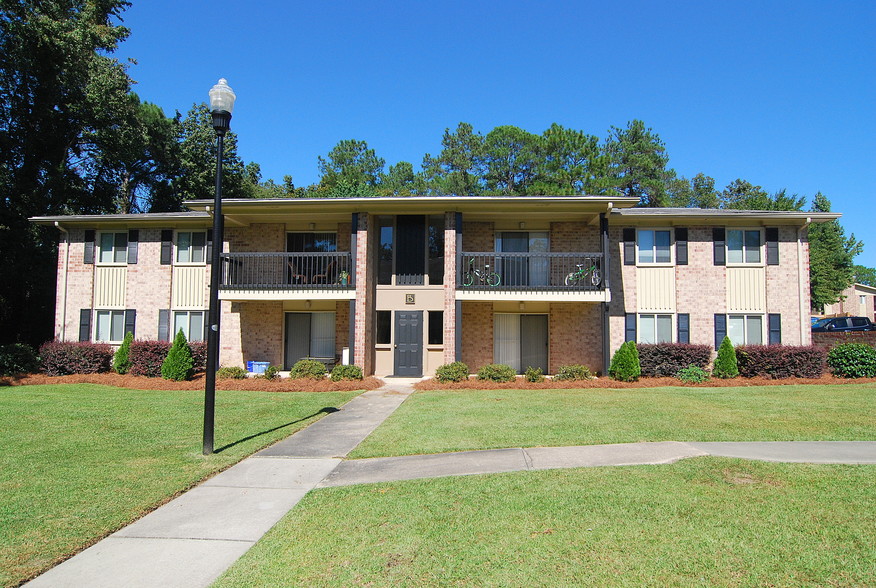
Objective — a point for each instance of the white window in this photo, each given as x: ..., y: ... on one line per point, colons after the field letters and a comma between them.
x: 655, y: 328
x: 191, y: 247
x: 745, y: 329
x: 191, y: 322
x: 743, y: 245
x: 113, y: 248
x: 109, y: 326
x: 654, y: 245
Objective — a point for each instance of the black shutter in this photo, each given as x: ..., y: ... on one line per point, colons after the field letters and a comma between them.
x: 166, y: 247
x: 85, y: 324
x: 719, y: 246
x: 207, y: 325
x: 772, y: 245
x: 163, y: 325
x: 684, y: 328
x: 130, y: 321
x: 88, y: 254
x: 209, y: 250
x: 681, y: 246
x: 630, y: 328
x: 629, y: 246
x: 133, y: 242
x: 720, y: 329
x: 775, y: 328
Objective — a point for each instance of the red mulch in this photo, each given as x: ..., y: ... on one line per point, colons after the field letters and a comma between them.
x: 197, y: 383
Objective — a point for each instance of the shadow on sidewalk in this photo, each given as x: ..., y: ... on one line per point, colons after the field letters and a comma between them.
x: 326, y: 410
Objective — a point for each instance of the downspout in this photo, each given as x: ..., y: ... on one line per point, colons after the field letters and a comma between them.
x: 63, y: 333
x: 805, y: 332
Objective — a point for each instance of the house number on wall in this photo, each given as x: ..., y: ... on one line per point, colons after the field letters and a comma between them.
x: 409, y: 299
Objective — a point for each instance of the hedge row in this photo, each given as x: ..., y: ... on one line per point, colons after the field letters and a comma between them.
x: 61, y: 359
x: 780, y: 361
x: 665, y: 359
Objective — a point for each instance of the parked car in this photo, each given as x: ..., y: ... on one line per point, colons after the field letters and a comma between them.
x: 844, y: 323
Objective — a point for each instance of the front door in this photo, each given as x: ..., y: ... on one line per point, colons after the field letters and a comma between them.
x: 408, y: 344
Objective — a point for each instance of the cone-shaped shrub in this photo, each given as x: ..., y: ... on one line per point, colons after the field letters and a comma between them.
x: 179, y: 363
x: 625, y: 363
x: 726, y: 365
x: 122, y: 358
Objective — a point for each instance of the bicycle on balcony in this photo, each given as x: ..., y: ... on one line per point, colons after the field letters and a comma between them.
x: 484, y: 276
x: 583, y: 274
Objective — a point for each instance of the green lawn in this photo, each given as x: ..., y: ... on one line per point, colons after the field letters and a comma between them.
x: 700, y: 522
x: 439, y: 421
x: 80, y: 461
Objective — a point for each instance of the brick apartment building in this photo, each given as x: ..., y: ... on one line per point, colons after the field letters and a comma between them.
x: 400, y: 286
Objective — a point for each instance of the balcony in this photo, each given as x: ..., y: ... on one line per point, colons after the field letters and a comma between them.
x: 251, y: 276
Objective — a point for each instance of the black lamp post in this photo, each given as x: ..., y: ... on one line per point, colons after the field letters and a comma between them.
x: 221, y: 104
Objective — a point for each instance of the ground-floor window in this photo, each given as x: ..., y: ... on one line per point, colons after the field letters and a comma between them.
x: 655, y: 328
x: 310, y: 335
x: 436, y: 327
x: 109, y: 326
x: 745, y: 329
x: 521, y: 340
x: 190, y: 322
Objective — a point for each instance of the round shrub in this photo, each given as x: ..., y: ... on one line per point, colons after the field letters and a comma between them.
x: 533, y: 374
x: 692, y: 374
x: 452, y: 372
x: 625, y: 363
x: 346, y: 372
x: 178, y: 365
x: 852, y: 360
x: 17, y: 358
x: 272, y: 372
x: 122, y: 358
x: 309, y: 369
x: 573, y: 372
x: 497, y: 372
x: 231, y: 372
x: 726, y: 365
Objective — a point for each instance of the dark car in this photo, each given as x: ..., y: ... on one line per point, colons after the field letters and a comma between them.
x: 844, y: 323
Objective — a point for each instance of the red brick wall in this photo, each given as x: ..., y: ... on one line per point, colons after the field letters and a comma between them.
x: 477, y: 236
x: 149, y: 282
x: 477, y: 334
x: 575, y: 332
x: 80, y: 287
x: 830, y: 339
x: 701, y: 286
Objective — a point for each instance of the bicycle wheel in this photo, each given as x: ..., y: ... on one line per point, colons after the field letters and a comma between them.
x: 595, y: 277
x: 571, y: 279
x: 493, y: 279
x: 468, y: 279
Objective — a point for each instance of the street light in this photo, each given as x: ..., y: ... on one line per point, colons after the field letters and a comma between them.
x: 221, y: 104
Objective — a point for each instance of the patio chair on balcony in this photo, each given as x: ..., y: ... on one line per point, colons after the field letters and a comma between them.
x: 294, y: 276
x: 326, y: 277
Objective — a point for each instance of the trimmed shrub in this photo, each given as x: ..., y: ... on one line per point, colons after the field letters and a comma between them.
x: 573, y: 372
x: 61, y: 359
x: 147, y: 357
x: 272, y: 372
x: 178, y: 363
x: 692, y: 374
x: 726, y: 365
x: 452, y: 372
x: 780, y: 361
x: 122, y: 359
x: 533, y: 374
x: 310, y: 369
x: 853, y: 360
x: 625, y: 363
x: 199, y: 355
x: 346, y: 372
x: 497, y: 372
x: 17, y: 358
x: 665, y: 359
x: 231, y: 372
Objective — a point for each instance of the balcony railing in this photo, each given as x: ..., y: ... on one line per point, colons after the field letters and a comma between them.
x: 287, y: 271
x: 555, y: 272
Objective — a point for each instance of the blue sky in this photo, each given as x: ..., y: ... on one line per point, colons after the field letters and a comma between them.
x: 782, y: 94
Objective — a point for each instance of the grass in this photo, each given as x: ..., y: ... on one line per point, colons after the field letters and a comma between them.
x: 80, y: 461
x: 704, y: 522
x: 439, y: 421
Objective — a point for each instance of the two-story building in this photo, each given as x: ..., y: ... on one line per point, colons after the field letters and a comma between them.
x: 400, y: 286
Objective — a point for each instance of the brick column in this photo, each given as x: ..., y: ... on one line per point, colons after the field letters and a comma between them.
x: 363, y: 353
x: 450, y: 269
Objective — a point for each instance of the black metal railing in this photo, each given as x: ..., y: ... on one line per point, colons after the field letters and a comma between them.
x: 286, y: 271
x: 495, y: 271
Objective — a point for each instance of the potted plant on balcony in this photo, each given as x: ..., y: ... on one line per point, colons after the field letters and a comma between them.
x: 343, y: 278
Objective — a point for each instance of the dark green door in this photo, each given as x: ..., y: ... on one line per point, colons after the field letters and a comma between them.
x: 408, y: 344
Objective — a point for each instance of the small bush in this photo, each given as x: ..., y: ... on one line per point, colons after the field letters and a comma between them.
x: 852, y: 360
x: 780, y: 361
x: 231, y: 372
x: 665, y: 359
x: 309, y: 369
x: 692, y: 374
x: 452, y: 372
x: 497, y: 372
x: 147, y: 357
x: 272, y: 372
x: 199, y: 356
x: 61, y: 359
x: 533, y: 374
x: 177, y: 365
x: 346, y: 372
x: 726, y: 365
x: 573, y: 373
x: 625, y: 363
x: 122, y: 358
x: 17, y: 358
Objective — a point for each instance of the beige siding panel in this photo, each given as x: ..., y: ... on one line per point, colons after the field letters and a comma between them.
x: 655, y: 289
x: 189, y: 287
x: 109, y: 286
x: 746, y: 289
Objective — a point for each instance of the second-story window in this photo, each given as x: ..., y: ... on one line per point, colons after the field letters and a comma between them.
x: 655, y: 245
x: 113, y: 248
x: 191, y: 247
x: 743, y: 246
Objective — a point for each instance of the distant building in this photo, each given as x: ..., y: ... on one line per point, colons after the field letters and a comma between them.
x: 857, y: 300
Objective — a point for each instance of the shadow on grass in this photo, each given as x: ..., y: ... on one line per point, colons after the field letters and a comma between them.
x: 326, y: 410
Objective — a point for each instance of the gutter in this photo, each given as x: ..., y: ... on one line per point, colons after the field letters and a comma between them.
x: 63, y: 332
x: 805, y: 329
